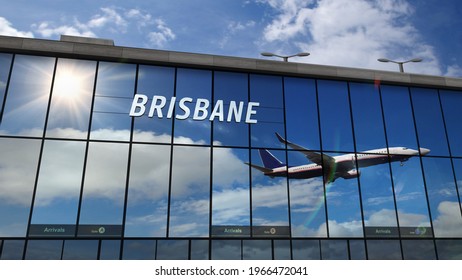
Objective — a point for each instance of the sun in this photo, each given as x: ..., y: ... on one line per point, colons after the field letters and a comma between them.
x: 68, y: 85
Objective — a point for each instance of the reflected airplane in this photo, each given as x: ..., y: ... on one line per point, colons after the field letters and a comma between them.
x: 344, y: 166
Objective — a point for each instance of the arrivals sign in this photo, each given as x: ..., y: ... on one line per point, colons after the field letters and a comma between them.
x: 199, y: 108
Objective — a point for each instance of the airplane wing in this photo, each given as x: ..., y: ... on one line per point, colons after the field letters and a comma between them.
x: 312, y: 156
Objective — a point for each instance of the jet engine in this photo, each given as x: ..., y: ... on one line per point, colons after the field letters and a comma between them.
x: 354, y: 173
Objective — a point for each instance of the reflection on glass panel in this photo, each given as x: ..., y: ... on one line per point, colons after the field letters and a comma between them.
x: 28, y: 95
x: 12, y: 249
x: 172, y: 250
x: 282, y: 250
x: 5, y: 65
x: 378, y: 203
x: 357, y: 249
x: 104, y: 186
x: 267, y: 90
x: 334, y: 111
x: 429, y: 121
x: 269, y: 194
x: 399, y: 121
x: 18, y: 167
x: 44, y: 249
x: 451, y: 102
x: 256, y: 250
x: 226, y: 249
x: 80, y: 250
x: 301, y: 112
x: 231, y: 196
x: 334, y: 249
x: 306, y: 250
x: 155, y: 80
x: 342, y: 195
x: 110, y: 250
x: 148, y: 191
x: 411, y: 200
x: 113, y: 98
x: 190, y: 192
x: 442, y: 195
x: 383, y: 250
x: 194, y: 84
x: 458, y: 172
x: 231, y: 87
x: 449, y: 249
x: 307, y: 203
x: 71, y: 99
x: 139, y: 250
x: 367, y: 116
x: 418, y: 249
x: 59, y: 183
x: 199, y: 249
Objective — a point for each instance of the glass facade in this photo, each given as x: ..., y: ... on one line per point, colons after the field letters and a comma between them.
x: 111, y: 160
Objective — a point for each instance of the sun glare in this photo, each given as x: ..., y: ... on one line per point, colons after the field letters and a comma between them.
x: 68, y: 85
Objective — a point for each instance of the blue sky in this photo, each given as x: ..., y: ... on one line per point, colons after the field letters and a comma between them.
x: 352, y: 33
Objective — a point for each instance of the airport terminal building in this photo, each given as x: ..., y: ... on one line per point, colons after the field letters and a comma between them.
x: 111, y: 152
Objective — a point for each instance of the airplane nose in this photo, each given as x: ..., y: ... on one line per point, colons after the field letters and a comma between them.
x: 424, y: 151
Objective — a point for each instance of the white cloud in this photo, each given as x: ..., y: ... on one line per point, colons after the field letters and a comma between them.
x: 162, y: 35
x: 352, y: 33
x: 7, y: 29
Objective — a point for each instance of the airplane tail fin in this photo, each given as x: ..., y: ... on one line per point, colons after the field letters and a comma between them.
x: 269, y: 161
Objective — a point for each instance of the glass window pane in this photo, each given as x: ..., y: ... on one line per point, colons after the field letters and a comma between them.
x: 411, y: 200
x: 231, y: 87
x: 458, y: 172
x: 270, y: 204
x: 57, y: 196
x: 104, y: 189
x: 452, y: 102
x: 342, y: 194
x: 199, y: 249
x: 44, y: 249
x: 5, y: 67
x: 380, y: 217
x: 27, y: 96
x: 449, y: 249
x: 231, y: 195
x: 367, y: 116
x: 12, y: 249
x: 71, y: 99
x: 148, y: 191
x: 18, y: 169
x: 399, y: 121
x: 442, y: 195
x: 307, y: 201
x: 194, y: 84
x: 384, y: 250
x: 429, y: 121
x: 301, y: 112
x: 110, y: 250
x: 113, y: 98
x: 418, y: 249
x: 190, y: 193
x: 257, y: 250
x: 336, y: 131
x: 267, y: 90
x: 226, y: 249
x: 139, y: 250
x: 282, y: 249
x: 334, y: 249
x: 155, y: 80
x: 80, y: 250
x: 306, y: 250
x: 357, y: 249
x: 172, y: 250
